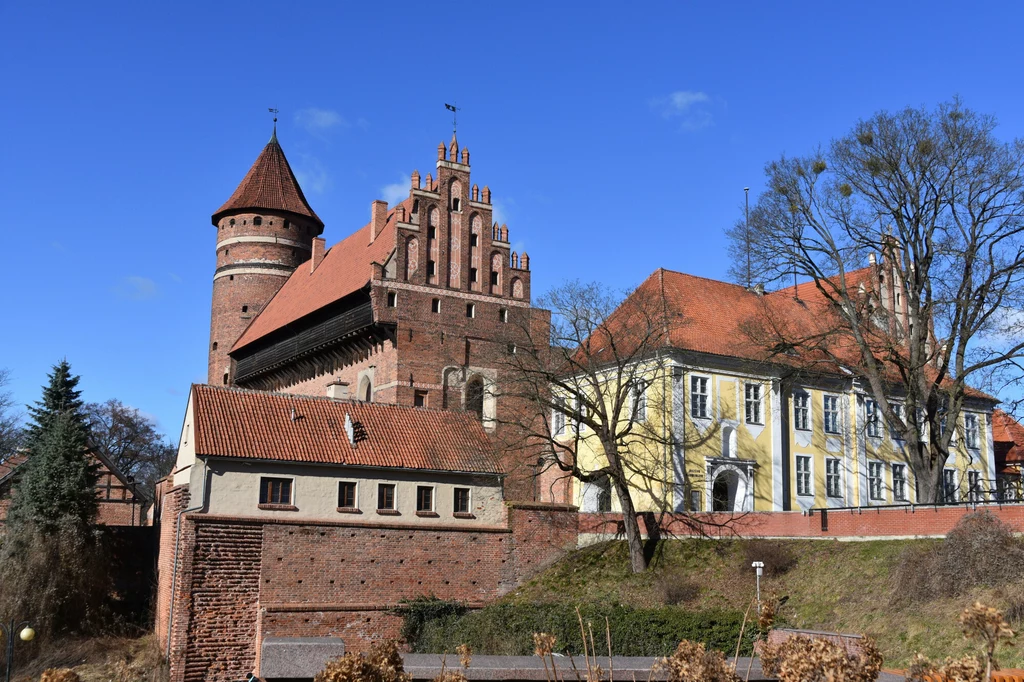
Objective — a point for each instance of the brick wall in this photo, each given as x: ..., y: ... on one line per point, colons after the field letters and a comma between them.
x: 919, y: 521
x: 240, y: 580
x: 170, y: 501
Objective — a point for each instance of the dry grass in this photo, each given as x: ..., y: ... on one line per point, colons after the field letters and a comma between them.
x: 103, y: 659
x: 836, y: 586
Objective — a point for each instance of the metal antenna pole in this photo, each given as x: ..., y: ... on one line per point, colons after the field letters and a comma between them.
x: 746, y: 230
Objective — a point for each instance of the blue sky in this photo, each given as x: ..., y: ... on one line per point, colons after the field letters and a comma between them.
x: 616, y: 138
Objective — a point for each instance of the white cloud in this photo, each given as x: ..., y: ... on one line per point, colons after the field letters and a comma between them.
x: 311, y: 174
x: 136, y: 288
x: 396, y: 192
x: 319, y: 121
x: 689, y: 107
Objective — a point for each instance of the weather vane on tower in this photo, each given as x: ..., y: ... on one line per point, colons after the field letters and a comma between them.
x: 455, y: 115
x: 274, y: 112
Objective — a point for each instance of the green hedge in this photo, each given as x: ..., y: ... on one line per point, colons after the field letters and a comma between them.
x: 507, y: 629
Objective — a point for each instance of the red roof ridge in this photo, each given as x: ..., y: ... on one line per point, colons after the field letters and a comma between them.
x: 310, y: 396
x: 706, y: 279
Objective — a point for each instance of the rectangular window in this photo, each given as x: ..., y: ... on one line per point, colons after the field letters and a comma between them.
x: 699, y: 397
x: 431, y: 268
x: 503, y: 315
x: 803, y: 475
x: 470, y: 310
x: 875, y: 487
x: 833, y: 478
x: 949, y: 485
x: 435, y: 305
x: 578, y: 409
x: 461, y: 501
x: 386, y: 496
x: 971, y: 431
x: 424, y: 498
x: 472, y: 274
x: 347, y: 495
x: 899, y: 482
x: 894, y: 429
x: 831, y: 413
x: 474, y: 239
x: 392, y: 299
x: 494, y: 278
x: 419, y: 399
x: 604, y: 495
x: 802, y: 411
x: 695, y: 505
x: 874, y: 421
x: 974, y: 486
x: 639, y: 400
x: 752, y: 402
x: 558, y: 417
x: 275, y: 490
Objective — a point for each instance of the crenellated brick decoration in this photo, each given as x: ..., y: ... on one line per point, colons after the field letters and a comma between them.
x: 240, y: 579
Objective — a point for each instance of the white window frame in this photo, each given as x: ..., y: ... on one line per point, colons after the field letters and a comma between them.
x: 558, y: 417
x: 578, y: 406
x: 899, y: 410
x: 872, y: 418
x: 292, y: 489
x: 808, y: 474
x: 706, y: 394
x: 806, y: 409
x: 901, y: 492
x: 825, y: 414
x: 394, y: 496
x: 974, y: 492
x: 972, y: 437
x: 469, y: 499
x: 433, y: 499
x: 838, y: 476
x: 876, y: 482
x: 638, y: 400
x: 956, y: 484
x: 756, y: 403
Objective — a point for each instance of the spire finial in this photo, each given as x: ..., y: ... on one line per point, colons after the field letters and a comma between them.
x: 273, y: 138
x: 455, y: 109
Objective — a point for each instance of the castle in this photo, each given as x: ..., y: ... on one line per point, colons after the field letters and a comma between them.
x: 343, y: 455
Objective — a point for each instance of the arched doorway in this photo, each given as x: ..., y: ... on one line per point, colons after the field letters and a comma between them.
x: 724, y: 491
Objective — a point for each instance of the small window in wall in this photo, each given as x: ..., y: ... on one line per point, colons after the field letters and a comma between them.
x: 899, y: 482
x: 415, y: 205
x: 245, y: 308
x: 802, y: 411
x: 558, y: 417
x: 226, y: 251
x: 257, y: 220
x: 876, y: 490
x: 470, y: 310
x: 474, y: 239
x: 461, y: 501
x: 435, y: 305
x: 347, y: 495
x: 286, y: 224
x: 874, y: 422
x: 974, y: 486
x: 803, y: 475
x: 431, y: 232
x: 604, y: 494
x: 424, y: 498
x: 419, y: 399
x: 431, y: 268
x: 392, y: 299
x: 971, y: 431
x: 833, y: 478
x: 752, y: 403
x: 894, y: 429
x: 232, y: 222
x: 503, y: 315
x: 386, y: 497
x: 275, y: 490
x: 473, y: 274
x: 475, y: 397
x: 831, y: 403
x: 456, y: 204
x: 949, y: 486
x: 214, y: 345
x: 494, y: 279
x: 225, y: 378
x: 699, y: 397
x: 638, y: 397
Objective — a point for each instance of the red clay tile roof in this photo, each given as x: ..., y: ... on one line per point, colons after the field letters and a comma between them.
x: 8, y: 466
x: 346, y: 268
x: 269, y: 184
x: 232, y: 422
x: 1008, y: 437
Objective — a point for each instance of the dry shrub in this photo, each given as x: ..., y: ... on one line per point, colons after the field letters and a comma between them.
x: 691, y: 662
x: 775, y: 555
x: 802, y: 659
x: 59, y: 675
x: 964, y: 669
x: 673, y: 587
x: 382, y: 663
x: 987, y: 624
x: 981, y: 550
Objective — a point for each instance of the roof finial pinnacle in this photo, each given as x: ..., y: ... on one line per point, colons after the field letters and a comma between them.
x: 273, y: 137
x: 455, y: 109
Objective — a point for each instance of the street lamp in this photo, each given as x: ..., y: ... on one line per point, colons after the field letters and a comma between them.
x: 758, y: 566
x: 25, y: 633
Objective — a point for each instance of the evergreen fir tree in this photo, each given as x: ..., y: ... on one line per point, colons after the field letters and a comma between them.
x: 56, y: 484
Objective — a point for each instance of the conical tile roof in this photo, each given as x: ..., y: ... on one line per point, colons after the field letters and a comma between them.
x: 271, y: 185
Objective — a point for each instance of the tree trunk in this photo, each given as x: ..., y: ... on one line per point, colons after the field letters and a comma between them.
x: 637, y: 560
x: 927, y: 476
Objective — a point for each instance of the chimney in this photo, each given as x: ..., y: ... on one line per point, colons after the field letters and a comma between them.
x: 318, y: 253
x: 759, y: 289
x: 337, y: 390
x: 871, y: 259
x: 378, y: 218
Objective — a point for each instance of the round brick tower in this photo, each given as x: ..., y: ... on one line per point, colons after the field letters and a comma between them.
x: 264, y: 231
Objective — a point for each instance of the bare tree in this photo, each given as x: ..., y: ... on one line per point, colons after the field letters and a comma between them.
x: 940, y: 200
x: 130, y: 440
x: 10, y: 420
x: 596, y: 406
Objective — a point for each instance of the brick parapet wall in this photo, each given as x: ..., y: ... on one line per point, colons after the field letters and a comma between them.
x: 243, y: 579
x: 172, y: 500
x: 862, y: 523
